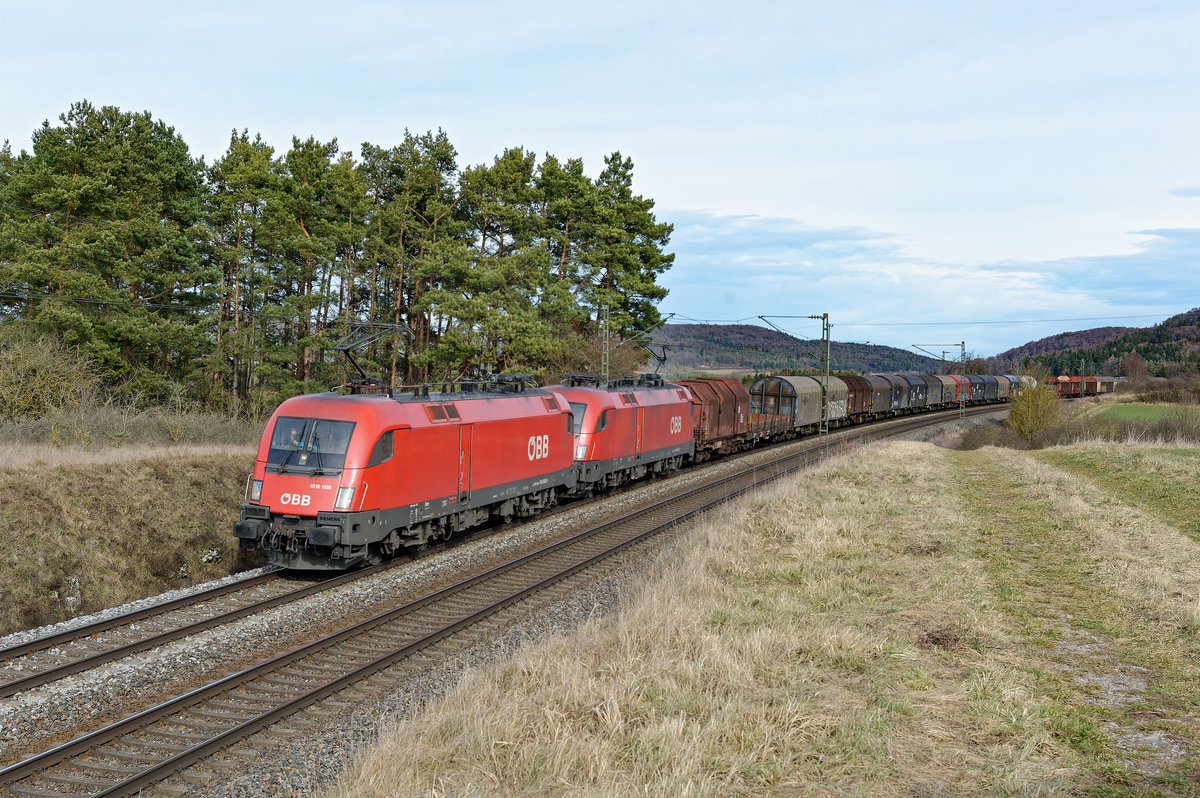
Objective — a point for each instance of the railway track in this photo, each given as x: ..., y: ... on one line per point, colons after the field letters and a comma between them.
x: 147, y: 748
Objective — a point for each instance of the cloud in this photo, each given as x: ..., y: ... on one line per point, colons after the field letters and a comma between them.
x: 741, y: 267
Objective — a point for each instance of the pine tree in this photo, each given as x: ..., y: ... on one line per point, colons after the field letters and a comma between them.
x: 627, y: 253
x: 104, y: 242
x: 243, y: 184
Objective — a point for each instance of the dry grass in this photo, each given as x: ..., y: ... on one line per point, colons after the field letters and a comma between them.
x: 47, y: 455
x: 1134, y: 556
x: 96, y: 425
x: 840, y: 635
x: 90, y: 530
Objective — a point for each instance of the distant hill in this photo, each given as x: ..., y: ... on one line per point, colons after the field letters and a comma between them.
x: 1065, y: 342
x: 1169, y: 348
x: 736, y: 349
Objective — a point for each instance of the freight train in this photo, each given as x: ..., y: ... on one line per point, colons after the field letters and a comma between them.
x: 346, y: 479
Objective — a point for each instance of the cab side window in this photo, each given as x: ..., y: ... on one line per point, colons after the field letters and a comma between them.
x: 603, y: 422
x: 382, y: 451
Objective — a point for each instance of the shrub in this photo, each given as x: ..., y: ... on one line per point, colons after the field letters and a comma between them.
x: 39, y: 376
x: 1033, y: 409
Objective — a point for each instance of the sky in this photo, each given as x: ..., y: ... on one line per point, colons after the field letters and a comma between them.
x: 923, y: 172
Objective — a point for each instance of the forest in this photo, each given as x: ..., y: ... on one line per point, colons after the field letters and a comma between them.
x: 1169, y: 349
x: 229, y: 284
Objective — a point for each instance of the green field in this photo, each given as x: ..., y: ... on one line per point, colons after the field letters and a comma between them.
x: 1137, y: 412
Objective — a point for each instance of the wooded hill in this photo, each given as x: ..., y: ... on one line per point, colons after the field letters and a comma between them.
x: 748, y: 348
x: 235, y: 279
x: 1168, y: 349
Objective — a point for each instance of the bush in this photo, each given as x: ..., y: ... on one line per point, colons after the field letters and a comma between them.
x: 1033, y: 410
x: 38, y: 376
x: 1184, y: 390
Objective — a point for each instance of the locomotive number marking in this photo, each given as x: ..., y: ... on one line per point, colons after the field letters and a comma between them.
x: 298, y: 499
x: 676, y: 425
x: 538, y: 447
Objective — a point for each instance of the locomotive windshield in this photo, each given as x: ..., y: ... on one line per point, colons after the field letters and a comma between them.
x: 309, y: 444
x: 577, y: 409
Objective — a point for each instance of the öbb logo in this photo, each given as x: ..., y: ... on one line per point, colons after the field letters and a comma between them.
x: 538, y: 447
x: 297, y: 499
x: 676, y: 425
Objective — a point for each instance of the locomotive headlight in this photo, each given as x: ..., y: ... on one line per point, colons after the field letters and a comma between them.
x: 581, y: 451
x: 255, y: 489
x: 344, y: 497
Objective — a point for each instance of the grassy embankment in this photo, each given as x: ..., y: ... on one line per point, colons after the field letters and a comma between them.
x: 89, y: 529
x: 953, y: 622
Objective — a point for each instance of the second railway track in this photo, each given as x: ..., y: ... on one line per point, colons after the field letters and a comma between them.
x: 133, y: 753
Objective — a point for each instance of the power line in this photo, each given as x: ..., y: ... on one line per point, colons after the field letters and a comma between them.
x: 716, y: 321
x: 1001, y: 321
x: 28, y: 296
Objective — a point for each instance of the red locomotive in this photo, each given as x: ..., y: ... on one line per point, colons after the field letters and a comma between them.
x: 628, y: 428
x: 343, y: 480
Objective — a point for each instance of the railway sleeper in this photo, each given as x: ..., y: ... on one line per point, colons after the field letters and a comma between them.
x: 319, y: 671
x: 166, y: 734
x: 129, y: 756
x: 41, y: 792
x: 105, y: 767
x: 140, y: 744
x: 203, y: 728
x: 237, y: 711
x: 244, y: 753
x: 287, y: 689
x: 293, y: 681
x: 89, y: 784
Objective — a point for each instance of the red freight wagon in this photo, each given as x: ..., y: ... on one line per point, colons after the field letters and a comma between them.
x: 1075, y: 386
x: 722, y: 413
x: 628, y: 427
x: 340, y: 480
x: 858, y: 397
